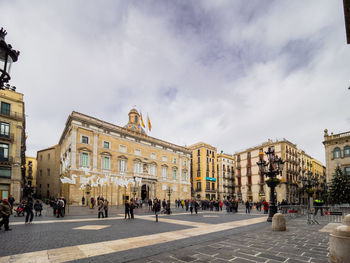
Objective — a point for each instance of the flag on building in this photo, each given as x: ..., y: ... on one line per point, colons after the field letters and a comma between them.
x: 142, y: 123
x: 149, y: 123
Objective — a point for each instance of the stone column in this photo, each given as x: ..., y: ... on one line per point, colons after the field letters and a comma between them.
x: 73, y: 147
x: 94, y: 154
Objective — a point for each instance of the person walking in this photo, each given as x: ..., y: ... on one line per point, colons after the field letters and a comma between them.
x: 83, y: 201
x: 196, y: 205
x: 149, y: 204
x: 132, y: 206
x: 38, y: 208
x: 265, y: 207
x: 11, y: 201
x: 105, y: 207
x: 5, y: 211
x: 127, y: 209
x: 156, y: 208
x: 191, y: 206
x: 247, y: 207
x: 100, y: 208
x: 28, y: 208
x: 92, y: 202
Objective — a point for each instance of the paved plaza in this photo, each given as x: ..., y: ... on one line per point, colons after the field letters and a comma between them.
x: 181, y: 237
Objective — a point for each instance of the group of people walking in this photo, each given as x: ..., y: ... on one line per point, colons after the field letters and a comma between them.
x: 26, y: 208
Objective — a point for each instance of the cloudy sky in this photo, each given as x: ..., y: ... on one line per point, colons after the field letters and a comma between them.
x: 230, y: 73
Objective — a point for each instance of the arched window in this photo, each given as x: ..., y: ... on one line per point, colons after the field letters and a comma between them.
x: 346, y: 151
x: 336, y: 153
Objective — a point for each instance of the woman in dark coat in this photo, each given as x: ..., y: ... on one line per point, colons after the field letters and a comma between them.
x: 127, y: 209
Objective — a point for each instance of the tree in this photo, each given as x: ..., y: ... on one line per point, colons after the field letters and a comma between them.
x: 339, y: 188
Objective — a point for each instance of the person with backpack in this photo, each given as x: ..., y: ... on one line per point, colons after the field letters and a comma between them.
x: 265, y: 207
x: 156, y: 208
x: 38, y: 208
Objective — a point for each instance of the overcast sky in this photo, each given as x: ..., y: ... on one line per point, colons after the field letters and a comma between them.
x: 229, y: 73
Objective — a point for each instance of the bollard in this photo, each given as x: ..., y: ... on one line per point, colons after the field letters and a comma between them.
x: 278, y: 222
x: 339, y: 241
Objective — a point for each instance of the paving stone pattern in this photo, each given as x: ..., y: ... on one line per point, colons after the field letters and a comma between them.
x: 300, y: 243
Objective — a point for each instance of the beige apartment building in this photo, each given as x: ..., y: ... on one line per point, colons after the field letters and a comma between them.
x: 98, y: 158
x: 225, y: 175
x: 337, y: 149
x: 251, y: 184
x: 204, y: 171
x: 48, y: 184
x: 31, y: 166
x: 12, y: 144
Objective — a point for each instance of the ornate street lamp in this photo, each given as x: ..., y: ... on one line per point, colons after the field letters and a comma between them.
x: 271, y: 169
x: 7, y: 57
x: 309, y: 182
x: 169, y: 191
x: 135, y: 191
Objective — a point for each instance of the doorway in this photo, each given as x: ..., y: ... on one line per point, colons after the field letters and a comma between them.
x: 144, y: 192
x: 4, y: 191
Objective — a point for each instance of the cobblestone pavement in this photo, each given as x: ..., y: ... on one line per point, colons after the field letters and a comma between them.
x: 181, y: 237
x: 300, y: 243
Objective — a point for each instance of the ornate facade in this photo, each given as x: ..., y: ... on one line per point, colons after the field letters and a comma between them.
x: 12, y: 145
x: 204, y: 171
x: 251, y: 184
x: 226, y: 178
x: 337, y: 148
x: 102, y: 159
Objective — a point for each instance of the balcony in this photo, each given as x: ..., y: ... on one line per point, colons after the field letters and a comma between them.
x: 7, y: 137
x: 6, y: 161
x: 12, y: 115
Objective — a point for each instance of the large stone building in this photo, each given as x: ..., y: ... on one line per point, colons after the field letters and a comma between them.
x: 12, y: 144
x: 31, y: 166
x: 337, y: 148
x: 226, y: 178
x: 48, y: 184
x: 251, y: 184
x: 102, y: 159
x: 204, y: 171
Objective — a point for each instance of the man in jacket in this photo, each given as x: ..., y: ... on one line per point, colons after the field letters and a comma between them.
x: 5, y: 211
x: 105, y: 206
x: 28, y: 208
x: 156, y: 208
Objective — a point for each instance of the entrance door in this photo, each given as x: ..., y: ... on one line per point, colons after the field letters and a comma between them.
x: 4, y: 191
x: 144, y: 192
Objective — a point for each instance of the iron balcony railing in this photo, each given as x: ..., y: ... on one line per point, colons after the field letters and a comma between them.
x: 7, y: 137
x: 12, y: 114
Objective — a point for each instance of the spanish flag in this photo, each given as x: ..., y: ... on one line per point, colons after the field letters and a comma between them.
x: 149, y: 123
x: 142, y: 123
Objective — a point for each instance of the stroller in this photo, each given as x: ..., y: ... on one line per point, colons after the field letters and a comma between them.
x: 20, y: 210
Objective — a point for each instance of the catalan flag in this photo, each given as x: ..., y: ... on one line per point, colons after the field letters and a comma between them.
x: 142, y: 123
x: 149, y: 123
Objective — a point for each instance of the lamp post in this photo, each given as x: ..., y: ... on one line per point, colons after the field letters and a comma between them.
x: 135, y: 191
x: 309, y: 181
x: 7, y: 57
x: 169, y: 191
x: 271, y: 169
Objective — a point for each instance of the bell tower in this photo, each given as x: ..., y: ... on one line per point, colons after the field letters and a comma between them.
x: 134, y: 117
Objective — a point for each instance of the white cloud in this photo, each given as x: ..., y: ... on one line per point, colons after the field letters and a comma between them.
x: 229, y: 73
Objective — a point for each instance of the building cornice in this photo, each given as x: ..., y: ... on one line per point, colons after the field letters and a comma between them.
x: 83, y: 118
